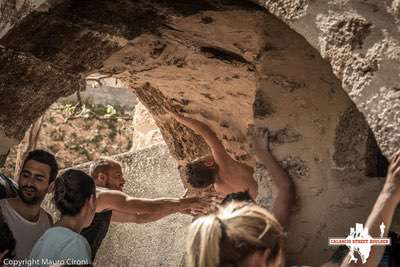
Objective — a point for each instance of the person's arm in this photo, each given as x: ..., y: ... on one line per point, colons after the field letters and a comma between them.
x: 218, y: 151
x: 285, y: 192
x: 119, y: 201
x: 382, y: 211
x: 120, y: 217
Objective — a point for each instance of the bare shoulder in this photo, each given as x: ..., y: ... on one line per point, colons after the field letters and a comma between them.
x: 105, y: 197
x: 236, y: 169
x: 238, y: 177
x: 106, y: 193
x: 103, y: 193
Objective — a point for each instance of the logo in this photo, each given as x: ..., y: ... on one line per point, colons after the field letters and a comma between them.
x: 359, y: 241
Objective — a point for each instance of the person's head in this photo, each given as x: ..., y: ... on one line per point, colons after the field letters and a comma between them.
x: 238, y: 196
x: 7, y: 242
x: 201, y: 172
x: 238, y: 235
x: 107, y: 173
x: 37, y: 174
x: 75, y: 195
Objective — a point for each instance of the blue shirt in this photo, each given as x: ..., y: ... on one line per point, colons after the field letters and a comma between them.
x: 60, y: 245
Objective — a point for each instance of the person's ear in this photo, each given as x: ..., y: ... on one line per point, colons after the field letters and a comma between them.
x: 102, y: 177
x: 265, y: 258
x: 50, y: 189
x: 258, y: 259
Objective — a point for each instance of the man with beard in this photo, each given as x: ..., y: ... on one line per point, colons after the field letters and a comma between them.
x: 23, y: 214
x: 115, y: 206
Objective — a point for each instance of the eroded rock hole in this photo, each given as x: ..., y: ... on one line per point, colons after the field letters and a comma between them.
x: 355, y: 146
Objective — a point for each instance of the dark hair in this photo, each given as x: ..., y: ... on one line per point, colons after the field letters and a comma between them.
x: 71, y: 190
x: 45, y: 158
x: 102, y: 166
x: 199, y: 175
x: 238, y: 196
x: 7, y: 241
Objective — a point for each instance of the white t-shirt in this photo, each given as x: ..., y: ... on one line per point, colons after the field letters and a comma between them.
x: 60, y: 245
x: 25, y: 232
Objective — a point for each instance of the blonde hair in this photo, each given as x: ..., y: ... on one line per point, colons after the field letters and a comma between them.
x: 231, y: 234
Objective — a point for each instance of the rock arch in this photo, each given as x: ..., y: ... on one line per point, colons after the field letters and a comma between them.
x: 228, y: 63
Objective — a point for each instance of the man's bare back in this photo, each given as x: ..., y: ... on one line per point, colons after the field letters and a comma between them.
x: 230, y: 175
x: 235, y: 177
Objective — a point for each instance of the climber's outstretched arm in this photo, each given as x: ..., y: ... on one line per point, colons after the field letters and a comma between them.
x: 382, y: 212
x: 218, y: 151
x: 285, y: 192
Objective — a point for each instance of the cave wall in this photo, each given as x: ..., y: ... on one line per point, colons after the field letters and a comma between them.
x: 28, y: 87
x: 361, y: 41
x: 321, y: 139
x: 228, y: 64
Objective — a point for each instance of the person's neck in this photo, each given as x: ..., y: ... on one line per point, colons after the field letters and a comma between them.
x: 28, y: 211
x: 100, y: 184
x: 72, y: 223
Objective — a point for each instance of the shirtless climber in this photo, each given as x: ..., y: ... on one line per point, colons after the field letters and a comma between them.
x: 115, y: 206
x: 227, y: 174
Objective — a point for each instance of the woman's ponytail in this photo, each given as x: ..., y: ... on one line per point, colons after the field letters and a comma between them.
x: 228, y: 237
x: 203, y: 242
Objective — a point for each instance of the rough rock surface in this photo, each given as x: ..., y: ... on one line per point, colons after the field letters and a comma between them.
x: 145, y: 131
x: 21, y: 85
x: 361, y: 40
x: 229, y: 72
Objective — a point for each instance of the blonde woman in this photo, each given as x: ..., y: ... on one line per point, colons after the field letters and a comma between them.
x: 238, y: 235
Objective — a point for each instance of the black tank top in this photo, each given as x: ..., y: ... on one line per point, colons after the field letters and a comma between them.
x: 97, y: 230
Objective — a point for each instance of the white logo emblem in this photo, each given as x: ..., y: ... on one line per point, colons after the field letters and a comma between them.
x: 359, y: 241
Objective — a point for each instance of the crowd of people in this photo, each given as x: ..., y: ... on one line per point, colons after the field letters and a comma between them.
x: 233, y: 233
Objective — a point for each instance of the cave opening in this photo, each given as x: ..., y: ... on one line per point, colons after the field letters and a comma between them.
x: 85, y: 126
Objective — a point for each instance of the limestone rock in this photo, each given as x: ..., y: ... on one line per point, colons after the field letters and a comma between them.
x: 146, y: 133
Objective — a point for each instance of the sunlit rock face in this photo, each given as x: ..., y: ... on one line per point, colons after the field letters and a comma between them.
x: 231, y: 64
x: 145, y: 131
